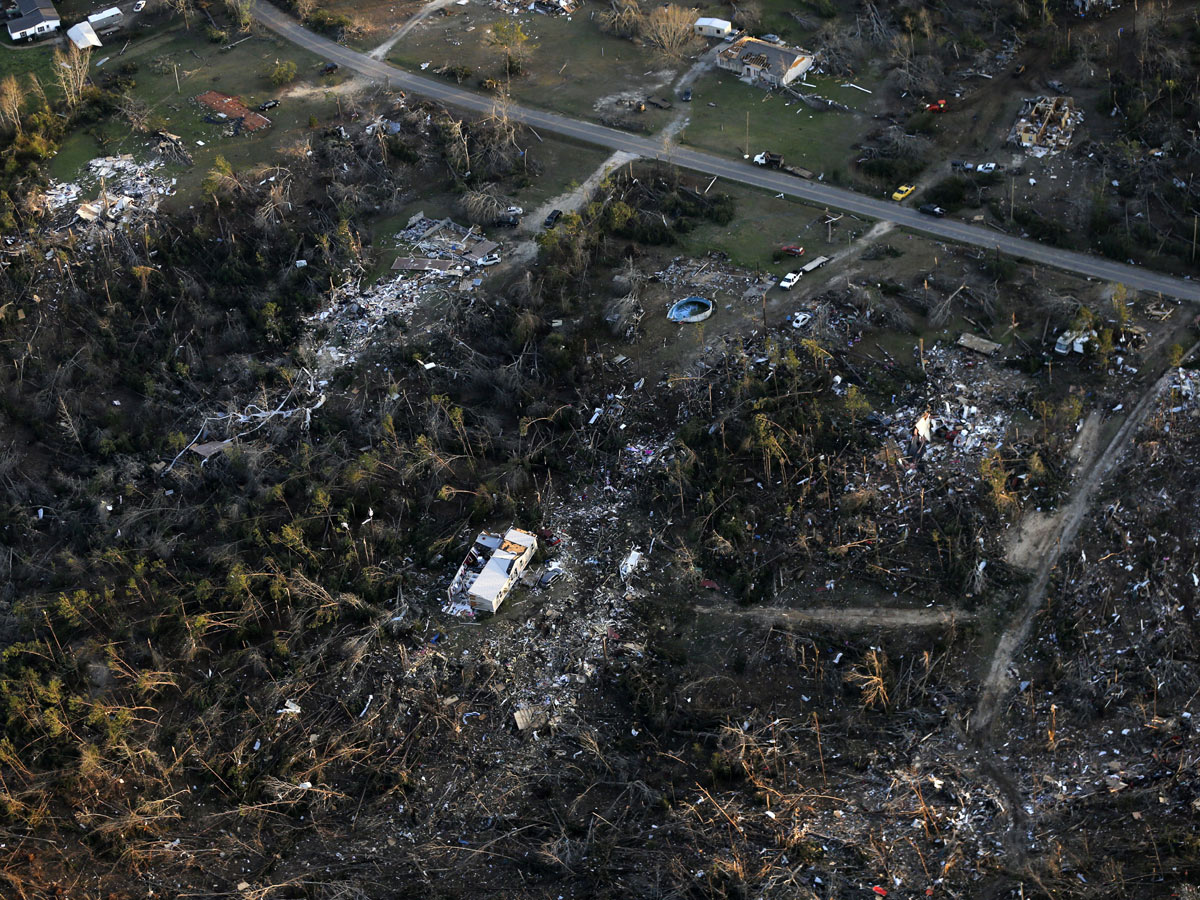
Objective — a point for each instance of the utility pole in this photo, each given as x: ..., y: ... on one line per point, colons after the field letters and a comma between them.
x: 747, y: 153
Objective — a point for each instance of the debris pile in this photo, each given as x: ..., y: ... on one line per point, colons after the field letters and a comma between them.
x: 1045, y: 125
x: 129, y: 188
x: 356, y: 313
x: 443, y: 245
x: 230, y: 110
x: 710, y: 276
x: 966, y: 412
x: 545, y: 7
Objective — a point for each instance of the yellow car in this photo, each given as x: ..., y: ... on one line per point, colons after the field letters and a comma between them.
x: 903, y: 191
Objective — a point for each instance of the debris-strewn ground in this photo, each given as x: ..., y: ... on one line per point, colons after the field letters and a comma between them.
x: 240, y: 483
x: 1102, y: 728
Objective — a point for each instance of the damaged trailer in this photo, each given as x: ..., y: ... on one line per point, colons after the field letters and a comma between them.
x: 492, y: 566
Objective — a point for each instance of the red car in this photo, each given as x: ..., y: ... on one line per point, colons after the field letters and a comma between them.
x: 793, y: 250
x: 938, y: 107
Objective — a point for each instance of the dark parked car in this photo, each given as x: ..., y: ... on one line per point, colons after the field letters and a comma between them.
x: 329, y: 68
x: 508, y: 220
x: 270, y: 104
x: 931, y: 209
x: 686, y: 96
x: 550, y: 576
x: 552, y: 219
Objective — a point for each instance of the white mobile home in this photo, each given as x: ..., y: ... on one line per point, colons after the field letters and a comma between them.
x: 106, y: 18
x: 493, y: 565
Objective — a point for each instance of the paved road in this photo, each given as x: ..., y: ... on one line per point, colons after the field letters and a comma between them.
x: 734, y: 170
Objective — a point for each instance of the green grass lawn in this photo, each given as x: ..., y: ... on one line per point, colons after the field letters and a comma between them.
x: 21, y: 61
x: 573, y: 65
x: 820, y: 141
x: 763, y: 224
x: 562, y: 165
x: 201, y: 65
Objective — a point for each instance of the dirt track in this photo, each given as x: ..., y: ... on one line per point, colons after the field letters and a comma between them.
x: 853, y: 618
x: 1052, y: 541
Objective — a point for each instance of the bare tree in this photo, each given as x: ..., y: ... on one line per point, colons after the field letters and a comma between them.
x: 915, y: 72
x: 36, y: 89
x: 623, y: 18
x: 670, y: 29
x: 484, y: 205
x: 241, y: 12
x: 495, y: 138
x: 458, y: 151
x: 270, y: 212
x: 873, y: 26
x: 10, y: 102
x: 184, y: 8
x: 748, y: 14
x: 71, y: 68
x: 840, y: 50
x: 136, y: 112
x: 305, y: 8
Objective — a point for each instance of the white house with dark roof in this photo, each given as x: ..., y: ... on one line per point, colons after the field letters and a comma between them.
x: 760, y: 62
x: 36, y: 18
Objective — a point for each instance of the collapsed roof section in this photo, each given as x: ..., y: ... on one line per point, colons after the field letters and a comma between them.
x: 1046, y: 125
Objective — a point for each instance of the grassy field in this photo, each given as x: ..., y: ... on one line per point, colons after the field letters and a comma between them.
x: 765, y: 223
x: 573, y: 66
x: 820, y: 141
x: 242, y: 71
x: 21, y: 61
x: 375, y: 20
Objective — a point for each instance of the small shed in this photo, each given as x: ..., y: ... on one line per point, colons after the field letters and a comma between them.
x: 83, y: 36
x: 708, y: 27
